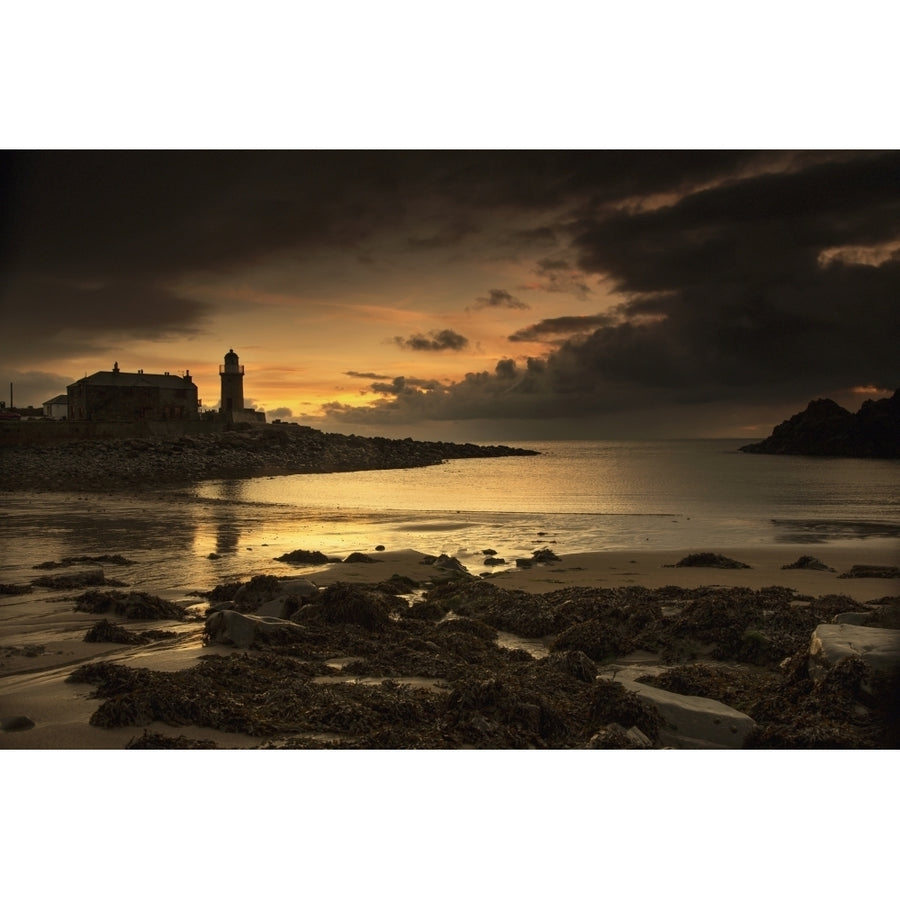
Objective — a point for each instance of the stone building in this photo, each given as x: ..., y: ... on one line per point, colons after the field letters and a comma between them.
x: 118, y: 396
x: 57, y: 407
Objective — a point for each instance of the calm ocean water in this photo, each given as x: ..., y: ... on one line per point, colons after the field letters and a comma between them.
x: 575, y: 496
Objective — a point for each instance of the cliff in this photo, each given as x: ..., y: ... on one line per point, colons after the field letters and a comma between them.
x: 826, y: 429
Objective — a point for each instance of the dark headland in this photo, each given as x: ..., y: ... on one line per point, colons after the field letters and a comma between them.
x: 48, y: 457
x: 826, y: 429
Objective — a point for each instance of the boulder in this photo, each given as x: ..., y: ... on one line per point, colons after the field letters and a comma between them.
x: 691, y: 723
x: 544, y: 556
x: 267, y: 595
x: 449, y: 562
x: 709, y: 561
x: 574, y: 663
x: 242, y: 631
x: 358, y: 557
x: 878, y: 648
x: 809, y: 562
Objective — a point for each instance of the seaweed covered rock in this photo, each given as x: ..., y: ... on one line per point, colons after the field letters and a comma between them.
x: 878, y: 649
x: 710, y: 561
x: 242, y: 630
x: 133, y: 605
x: 268, y: 595
x: 104, y: 632
x: 809, y: 562
x: 611, y: 703
x: 13, y: 589
x: 88, y: 578
x: 872, y: 572
x: 305, y: 558
x: 599, y: 640
x: 615, y: 737
x: 848, y: 706
x: 357, y: 557
x: 574, y: 663
x: 544, y: 555
x: 153, y: 740
x: 690, y: 722
x: 347, y: 604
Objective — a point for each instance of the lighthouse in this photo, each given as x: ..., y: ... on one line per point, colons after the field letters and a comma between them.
x: 232, y: 375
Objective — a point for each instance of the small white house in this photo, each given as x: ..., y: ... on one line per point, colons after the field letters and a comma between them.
x: 57, y: 408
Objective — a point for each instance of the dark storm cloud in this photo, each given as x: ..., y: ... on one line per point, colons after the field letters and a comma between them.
x: 561, y: 326
x: 499, y: 298
x: 715, y: 255
x: 734, y: 277
x: 404, y: 384
x: 95, y: 213
x: 558, y: 276
x: 434, y: 341
x: 727, y: 298
x: 450, y: 235
x: 54, y: 315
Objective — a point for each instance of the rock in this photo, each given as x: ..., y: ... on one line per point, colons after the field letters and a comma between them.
x: 489, y: 552
x: 872, y: 572
x: 88, y: 578
x: 524, y: 563
x: 691, y: 723
x: 16, y: 723
x: 278, y: 608
x: 242, y: 631
x: 282, y: 597
x: 826, y: 429
x: 616, y: 737
x: 379, y: 548
x: 133, y: 605
x: 359, y: 558
x: 809, y: 562
x: 104, y: 632
x: 304, y: 557
x: 574, y: 663
x: 543, y: 556
x: 494, y: 561
x: 709, y: 561
x: 852, y: 618
x: 15, y: 589
x: 877, y: 648
x: 449, y: 562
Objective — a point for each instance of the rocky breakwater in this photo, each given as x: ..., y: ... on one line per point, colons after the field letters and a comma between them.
x: 110, y: 463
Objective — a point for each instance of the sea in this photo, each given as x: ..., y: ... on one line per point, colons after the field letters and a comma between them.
x: 574, y: 496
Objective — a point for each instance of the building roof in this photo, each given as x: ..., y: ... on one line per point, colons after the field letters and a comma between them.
x: 59, y: 398
x: 134, y: 379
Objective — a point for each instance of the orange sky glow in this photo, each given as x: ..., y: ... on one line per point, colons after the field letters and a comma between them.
x: 586, y: 294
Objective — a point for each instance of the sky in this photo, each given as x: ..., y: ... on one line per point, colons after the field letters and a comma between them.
x: 475, y: 294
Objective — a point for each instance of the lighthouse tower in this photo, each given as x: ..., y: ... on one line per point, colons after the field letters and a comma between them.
x: 232, y: 375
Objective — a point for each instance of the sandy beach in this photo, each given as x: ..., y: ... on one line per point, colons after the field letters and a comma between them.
x: 42, y: 639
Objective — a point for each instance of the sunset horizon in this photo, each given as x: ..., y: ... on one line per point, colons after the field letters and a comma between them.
x: 477, y: 295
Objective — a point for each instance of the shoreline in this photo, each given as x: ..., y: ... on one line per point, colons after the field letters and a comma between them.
x: 36, y: 687
x: 129, y: 463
